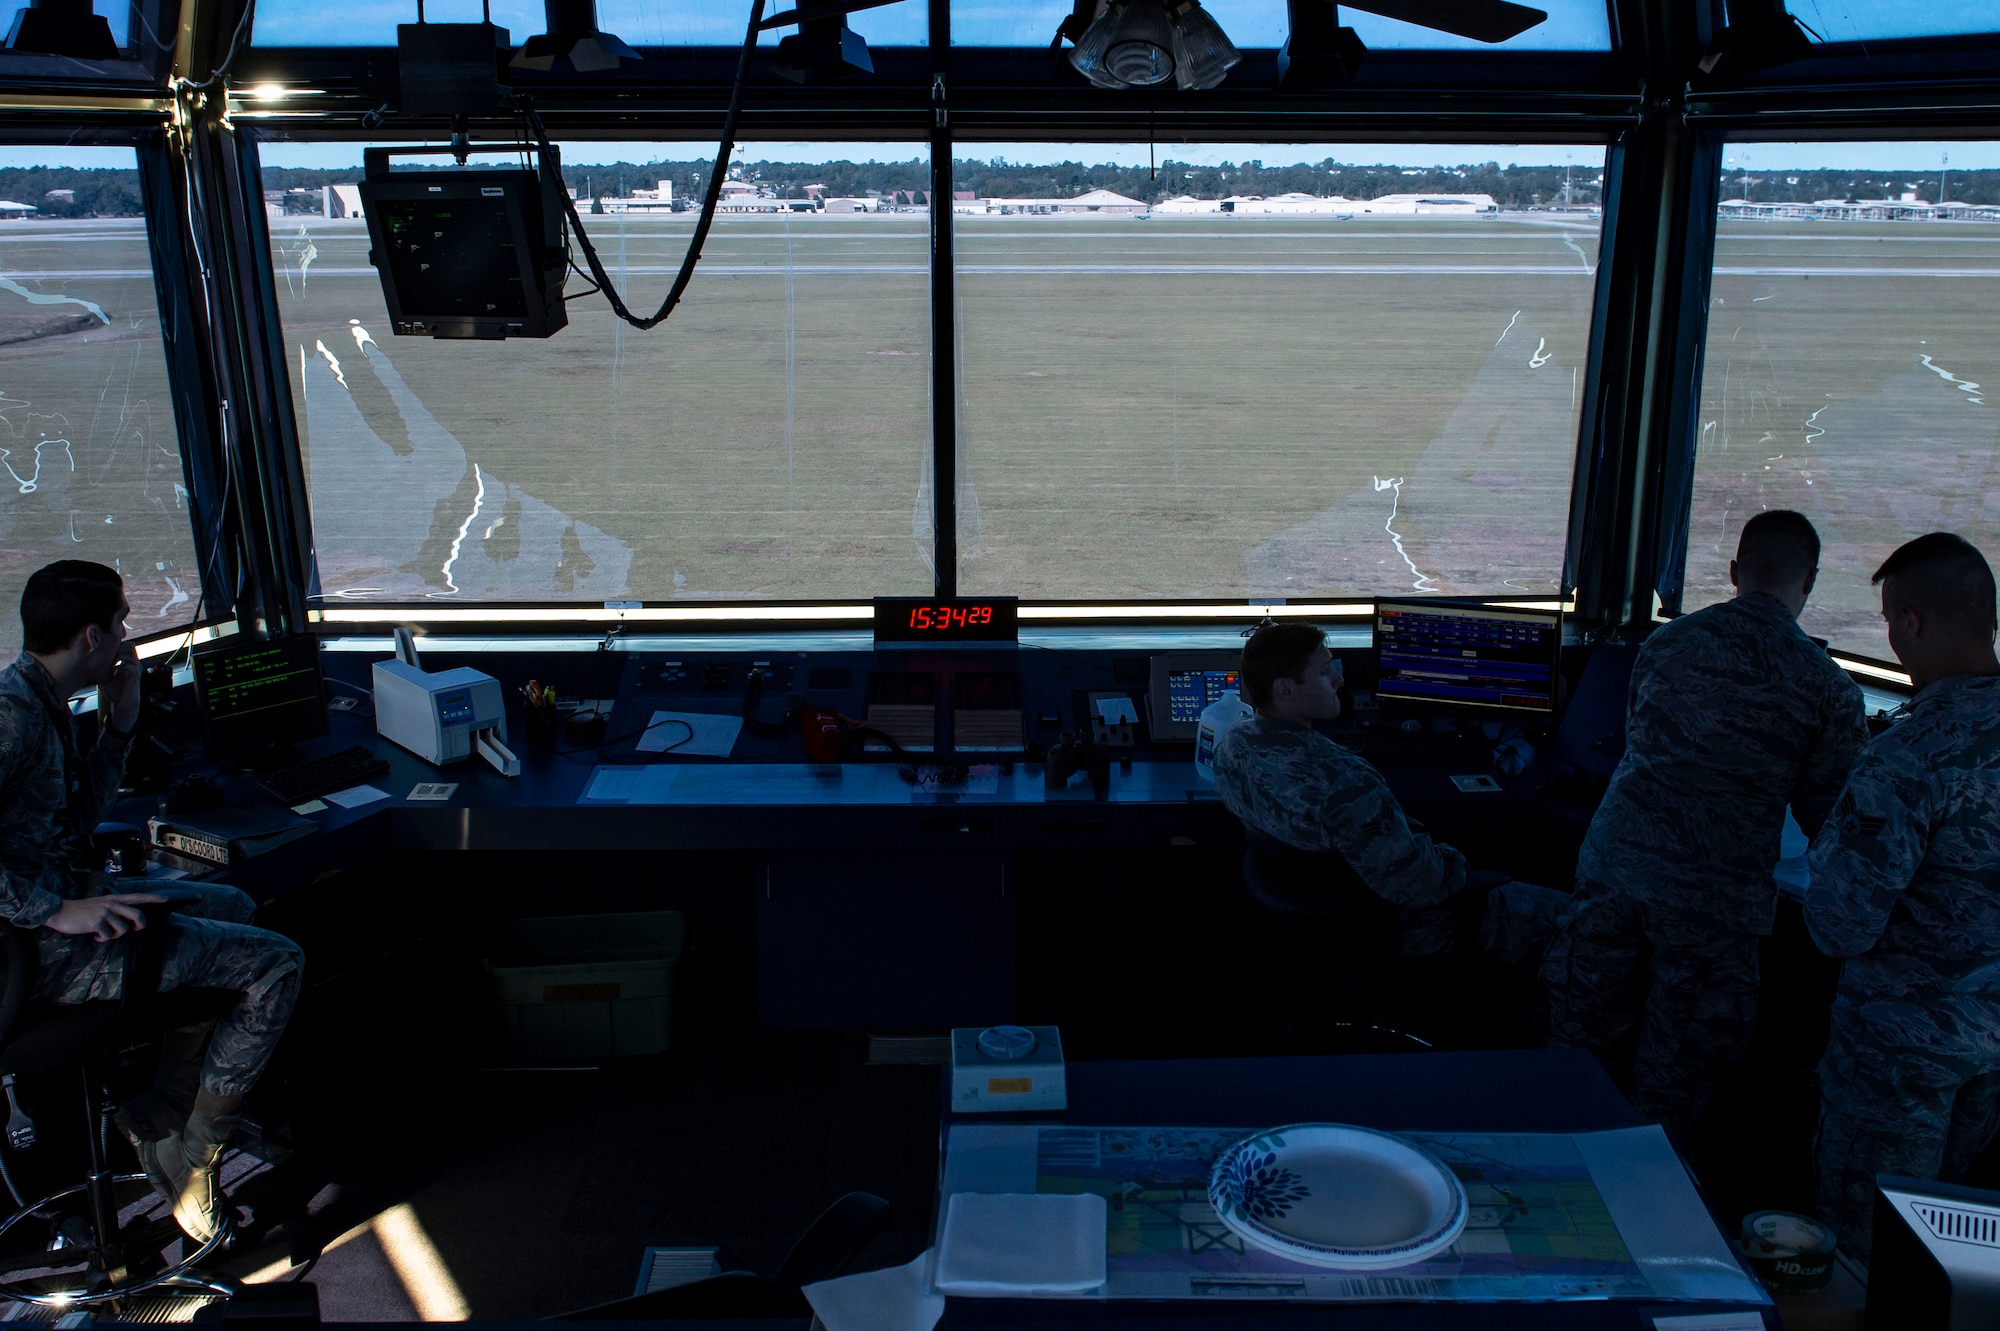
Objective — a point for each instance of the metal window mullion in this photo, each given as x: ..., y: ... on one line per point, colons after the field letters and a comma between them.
x: 944, y: 347
x: 273, y: 427
x: 190, y: 373
x: 1581, y: 572
x: 263, y: 604
x: 1680, y: 415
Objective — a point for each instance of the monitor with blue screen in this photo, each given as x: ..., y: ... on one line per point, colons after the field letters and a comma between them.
x: 1189, y: 692
x: 1183, y: 685
x: 1467, y: 654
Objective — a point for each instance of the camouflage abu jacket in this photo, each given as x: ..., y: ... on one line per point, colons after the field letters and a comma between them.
x: 1733, y: 714
x: 1300, y: 787
x: 36, y: 731
x: 1906, y: 874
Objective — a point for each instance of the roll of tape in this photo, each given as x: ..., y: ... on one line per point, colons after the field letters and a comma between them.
x: 1788, y: 1251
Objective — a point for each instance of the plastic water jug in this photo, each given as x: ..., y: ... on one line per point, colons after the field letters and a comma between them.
x: 1216, y: 719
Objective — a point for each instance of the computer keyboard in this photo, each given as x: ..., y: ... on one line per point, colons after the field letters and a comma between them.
x: 1388, y: 744
x: 317, y: 776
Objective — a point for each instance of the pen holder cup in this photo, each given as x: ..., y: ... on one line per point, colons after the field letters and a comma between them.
x: 540, y: 723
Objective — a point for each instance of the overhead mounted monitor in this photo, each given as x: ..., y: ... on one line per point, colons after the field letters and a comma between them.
x: 468, y: 252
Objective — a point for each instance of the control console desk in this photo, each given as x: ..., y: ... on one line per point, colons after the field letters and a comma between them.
x: 919, y: 845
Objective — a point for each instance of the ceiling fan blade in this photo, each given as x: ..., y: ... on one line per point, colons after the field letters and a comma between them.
x: 1481, y: 20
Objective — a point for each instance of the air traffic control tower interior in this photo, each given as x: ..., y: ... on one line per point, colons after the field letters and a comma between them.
x: 697, y: 557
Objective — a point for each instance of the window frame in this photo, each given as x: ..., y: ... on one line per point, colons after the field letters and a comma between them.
x: 1716, y: 124
x: 180, y: 337
x: 1649, y: 318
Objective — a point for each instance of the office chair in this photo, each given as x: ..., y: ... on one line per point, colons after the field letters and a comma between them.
x: 89, y: 1260
x: 821, y: 1253
x: 1323, y: 944
x: 1590, y: 738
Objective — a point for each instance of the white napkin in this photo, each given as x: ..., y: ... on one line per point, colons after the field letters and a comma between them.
x: 896, y: 1299
x: 1022, y: 1243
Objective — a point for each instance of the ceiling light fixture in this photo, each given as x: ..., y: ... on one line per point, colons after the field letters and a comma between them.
x: 1148, y: 43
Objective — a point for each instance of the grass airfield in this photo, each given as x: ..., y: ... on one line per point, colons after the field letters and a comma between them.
x: 1202, y: 406
x: 1185, y: 407
x: 1844, y: 372
x: 90, y: 464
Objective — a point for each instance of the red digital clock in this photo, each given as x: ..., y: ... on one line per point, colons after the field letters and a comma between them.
x: 945, y: 619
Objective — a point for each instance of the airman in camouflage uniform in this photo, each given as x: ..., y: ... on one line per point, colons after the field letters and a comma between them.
x: 50, y: 799
x: 1286, y: 779
x: 209, y: 941
x: 1733, y: 714
x: 1905, y: 884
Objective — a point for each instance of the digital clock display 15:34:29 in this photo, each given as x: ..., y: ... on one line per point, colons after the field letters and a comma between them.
x: 944, y: 619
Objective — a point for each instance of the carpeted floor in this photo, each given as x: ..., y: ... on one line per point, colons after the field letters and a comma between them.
x: 538, y: 1192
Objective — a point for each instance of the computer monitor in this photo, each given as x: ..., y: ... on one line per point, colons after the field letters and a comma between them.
x: 257, y: 697
x: 1467, y: 655
x: 468, y: 253
x: 1183, y: 685
x: 1937, y: 1256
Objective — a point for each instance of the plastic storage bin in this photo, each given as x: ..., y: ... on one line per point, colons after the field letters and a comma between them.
x: 580, y: 987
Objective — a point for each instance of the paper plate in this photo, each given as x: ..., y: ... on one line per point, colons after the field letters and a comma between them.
x: 1337, y: 1196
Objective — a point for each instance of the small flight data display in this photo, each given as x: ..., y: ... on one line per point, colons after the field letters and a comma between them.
x: 251, y: 694
x: 1474, y: 655
x: 941, y: 619
x: 1189, y: 692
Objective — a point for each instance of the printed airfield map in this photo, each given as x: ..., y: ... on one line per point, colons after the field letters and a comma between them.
x: 1539, y: 1229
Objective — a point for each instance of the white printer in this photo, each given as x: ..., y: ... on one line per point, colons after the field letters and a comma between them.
x: 442, y: 717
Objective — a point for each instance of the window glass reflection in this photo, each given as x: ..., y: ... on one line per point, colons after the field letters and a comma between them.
x: 1254, y: 370
x: 1877, y: 20
x: 1850, y: 333
x: 90, y: 462
x: 769, y: 440
x: 640, y: 22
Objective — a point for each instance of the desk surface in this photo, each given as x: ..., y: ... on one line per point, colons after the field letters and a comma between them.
x: 1506, y: 1090
x: 711, y: 804
x: 1542, y: 1090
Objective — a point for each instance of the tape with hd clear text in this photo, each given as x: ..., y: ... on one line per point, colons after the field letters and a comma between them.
x: 1788, y: 1251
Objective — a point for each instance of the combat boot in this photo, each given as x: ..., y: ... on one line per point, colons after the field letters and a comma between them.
x: 152, y: 1120
x: 200, y: 1207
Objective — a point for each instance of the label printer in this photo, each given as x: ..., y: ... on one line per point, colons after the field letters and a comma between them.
x: 442, y: 717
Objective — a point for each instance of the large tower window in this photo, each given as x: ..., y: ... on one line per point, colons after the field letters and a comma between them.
x: 1270, y: 370
x: 770, y: 440
x: 1852, y: 362
x: 90, y: 462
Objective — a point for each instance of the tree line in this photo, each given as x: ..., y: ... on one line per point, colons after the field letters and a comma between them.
x: 115, y: 192
x: 96, y: 192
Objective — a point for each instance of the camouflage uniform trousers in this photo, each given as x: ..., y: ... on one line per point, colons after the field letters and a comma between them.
x: 1688, y: 987
x: 209, y: 944
x: 1510, y: 921
x: 1887, y: 1107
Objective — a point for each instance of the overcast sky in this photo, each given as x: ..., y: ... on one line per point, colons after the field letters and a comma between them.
x: 1909, y: 156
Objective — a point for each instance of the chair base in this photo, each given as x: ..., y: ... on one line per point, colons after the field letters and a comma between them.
x: 81, y: 1275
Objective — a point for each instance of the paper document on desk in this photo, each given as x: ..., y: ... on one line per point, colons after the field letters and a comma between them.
x: 1553, y: 1216
x: 704, y: 733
